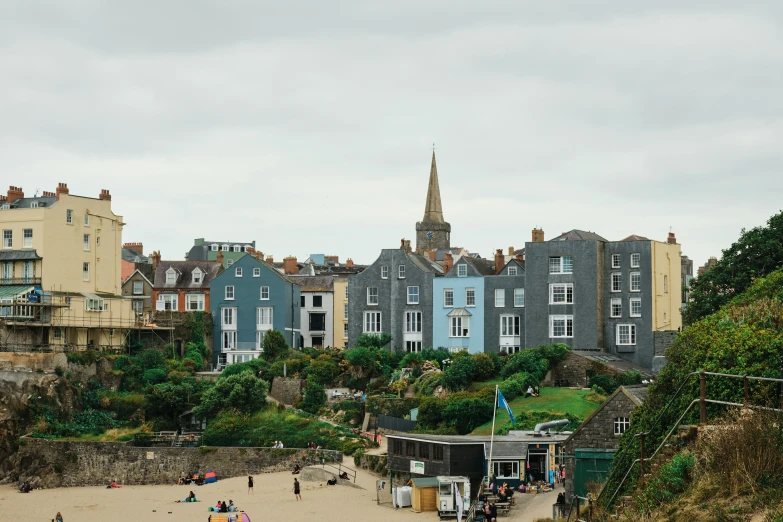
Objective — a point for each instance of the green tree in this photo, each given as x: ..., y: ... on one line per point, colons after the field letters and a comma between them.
x: 274, y: 345
x: 373, y: 340
x: 755, y: 254
x: 467, y: 414
x: 314, y: 397
x: 154, y: 376
x: 172, y: 400
x: 149, y: 359
x: 459, y: 374
x: 484, y: 367
x: 243, y: 392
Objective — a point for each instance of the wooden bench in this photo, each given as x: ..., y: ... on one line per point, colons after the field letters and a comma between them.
x: 503, y: 508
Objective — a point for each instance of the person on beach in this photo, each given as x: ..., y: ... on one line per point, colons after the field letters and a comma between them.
x: 297, y: 494
x: 58, y: 518
x: 296, y: 470
x: 224, y: 507
x: 488, y: 513
x: 250, y: 485
x: 231, y: 506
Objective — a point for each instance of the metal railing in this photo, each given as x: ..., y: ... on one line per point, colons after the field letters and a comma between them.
x: 340, y: 469
x: 702, y: 401
x: 20, y: 281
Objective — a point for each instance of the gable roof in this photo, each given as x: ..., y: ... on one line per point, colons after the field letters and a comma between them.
x: 634, y: 237
x: 313, y: 283
x: 132, y: 256
x: 637, y: 396
x: 513, y: 261
x: 425, y: 264
x: 41, y: 202
x: 578, y: 235
x: 137, y: 271
x: 185, y: 270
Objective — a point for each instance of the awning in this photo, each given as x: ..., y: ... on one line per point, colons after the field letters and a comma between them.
x: 19, y: 255
x: 460, y: 312
x: 12, y: 291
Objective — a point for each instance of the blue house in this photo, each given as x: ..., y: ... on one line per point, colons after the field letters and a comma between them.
x: 458, y: 306
x: 247, y: 300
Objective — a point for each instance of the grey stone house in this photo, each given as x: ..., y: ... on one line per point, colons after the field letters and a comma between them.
x: 394, y: 295
x: 504, y: 309
x: 590, y: 448
x: 621, y: 297
x: 139, y: 289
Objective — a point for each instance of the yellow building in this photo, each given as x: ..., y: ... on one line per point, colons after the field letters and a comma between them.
x: 666, y: 269
x: 340, y: 312
x: 60, y: 279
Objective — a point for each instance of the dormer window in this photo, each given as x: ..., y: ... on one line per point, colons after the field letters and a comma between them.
x: 245, y: 248
x: 224, y: 248
x: 213, y: 247
x: 171, y: 276
x: 237, y: 248
x: 198, y: 276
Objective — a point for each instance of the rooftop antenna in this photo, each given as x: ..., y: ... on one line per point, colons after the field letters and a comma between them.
x: 433, y: 147
x: 36, y: 192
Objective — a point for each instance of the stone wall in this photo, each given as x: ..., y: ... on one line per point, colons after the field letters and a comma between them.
x: 32, y: 361
x: 287, y: 390
x: 62, y: 463
x: 597, y: 433
x: 373, y: 463
x: 663, y: 340
x: 575, y: 370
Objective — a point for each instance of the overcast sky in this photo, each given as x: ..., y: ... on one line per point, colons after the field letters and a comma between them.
x: 308, y: 126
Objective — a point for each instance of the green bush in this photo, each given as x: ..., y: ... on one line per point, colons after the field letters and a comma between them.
x: 149, y: 359
x: 527, y: 361
x: 313, y: 397
x: 430, y: 412
x: 484, y: 367
x: 83, y: 357
x: 154, y: 376
x: 671, y: 480
x: 275, y: 345
x: 59, y: 371
x: 243, y: 392
x: 459, y: 374
x: 465, y: 415
x: 604, y: 384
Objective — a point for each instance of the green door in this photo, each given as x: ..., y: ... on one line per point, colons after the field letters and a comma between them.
x: 590, y: 465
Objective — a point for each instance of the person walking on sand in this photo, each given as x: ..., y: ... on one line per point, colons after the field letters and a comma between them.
x: 296, y: 490
x: 58, y: 518
x: 250, y: 485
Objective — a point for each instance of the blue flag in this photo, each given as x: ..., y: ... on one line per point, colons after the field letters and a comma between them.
x: 503, y: 403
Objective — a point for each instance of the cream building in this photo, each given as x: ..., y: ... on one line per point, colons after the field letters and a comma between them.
x: 340, y: 312
x: 60, y: 279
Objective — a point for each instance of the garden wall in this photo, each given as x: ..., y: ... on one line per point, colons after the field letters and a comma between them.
x: 32, y: 361
x: 287, y: 390
x: 61, y: 463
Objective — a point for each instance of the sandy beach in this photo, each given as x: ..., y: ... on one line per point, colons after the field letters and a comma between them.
x: 273, y: 499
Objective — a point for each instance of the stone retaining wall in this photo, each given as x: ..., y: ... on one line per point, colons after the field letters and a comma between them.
x: 62, y: 463
x: 287, y: 390
x: 32, y: 361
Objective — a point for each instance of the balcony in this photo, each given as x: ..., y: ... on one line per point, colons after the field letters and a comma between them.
x: 5, y: 281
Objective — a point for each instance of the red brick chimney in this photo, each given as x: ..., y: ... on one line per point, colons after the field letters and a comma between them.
x: 431, y: 253
x: 219, y: 257
x: 500, y: 261
x: 155, y: 259
x: 48, y: 194
x: 448, y: 262
x: 104, y: 195
x: 349, y: 262
x: 405, y: 244
x: 519, y: 257
x: 15, y: 193
x: 671, y: 240
x: 270, y: 260
x: 289, y: 265
x: 538, y: 235
x: 62, y: 188
x: 138, y: 247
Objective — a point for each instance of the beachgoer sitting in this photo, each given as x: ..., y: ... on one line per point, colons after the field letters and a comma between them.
x: 231, y: 507
x: 536, y: 393
x: 25, y: 487
x: 296, y: 470
x: 344, y: 475
x: 529, y: 392
x: 223, y: 507
x: 331, y: 482
x: 113, y: 485
x: 181, y: 481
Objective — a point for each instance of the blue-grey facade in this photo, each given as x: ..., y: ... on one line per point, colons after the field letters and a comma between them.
x: 394, y: 295
x: 246, y: 301
x: 504, y: 309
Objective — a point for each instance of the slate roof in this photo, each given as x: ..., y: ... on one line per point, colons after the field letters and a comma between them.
x: 425, y: 264
x: 484, y: 267
x: 579, y: 235
x: 634, y: 237
x: 637, y: 393
x: 47, y: 201
x: 440, y: 253
x: 313, y: 283
x: 133, y: 256
x: 184, y: 278
x: 612, y: 360
x: 19, y: 255
x: 484, y: 439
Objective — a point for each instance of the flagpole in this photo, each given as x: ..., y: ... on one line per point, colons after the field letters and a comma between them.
x: 492, y: 436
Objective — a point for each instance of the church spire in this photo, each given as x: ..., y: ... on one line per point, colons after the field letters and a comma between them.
x: 433, y: 212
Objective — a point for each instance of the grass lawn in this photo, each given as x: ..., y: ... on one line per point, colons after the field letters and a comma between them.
x: 555, y: 400
x: 112, y: 435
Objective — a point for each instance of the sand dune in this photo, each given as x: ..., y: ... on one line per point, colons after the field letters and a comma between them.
x: 273, y: 499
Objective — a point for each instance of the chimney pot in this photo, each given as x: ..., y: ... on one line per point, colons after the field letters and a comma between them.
x: 290, y: 266
x: 432, y: 254
x: 270, y: 259
x: 105, y: 195
x: 500, y: 260
x: 511, y: 251
x: 14, y: 193
x: 671, y: 240
x: 538, y: 235
x: 349, y: 262
x: 448, y: 262
x: 62, y: 188
x: 519, y: 257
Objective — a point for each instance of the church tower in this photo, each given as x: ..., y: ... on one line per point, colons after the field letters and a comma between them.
x: 433, y: 232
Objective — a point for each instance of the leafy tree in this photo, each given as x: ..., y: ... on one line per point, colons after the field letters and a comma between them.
x: 431, y: 412
x: 154, y: 376
x: 314, y: 397
x: 467, y: 414
x: 528, y: 361
x: 373, y: 340
x: 244, y: 392
x: 255, y: 367
x: 274, y: 345
x: 172, y: 400
x: 459, y: 374
x: 484, y: 367
x: 150, y: 358
x: 755, y: 254
x: 323, y: 370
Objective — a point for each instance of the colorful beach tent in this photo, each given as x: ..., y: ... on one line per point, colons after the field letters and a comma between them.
x: 229, y: 517
x: 210, y: 477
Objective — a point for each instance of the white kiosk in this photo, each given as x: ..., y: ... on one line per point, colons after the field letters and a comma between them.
x: 453, y: 497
